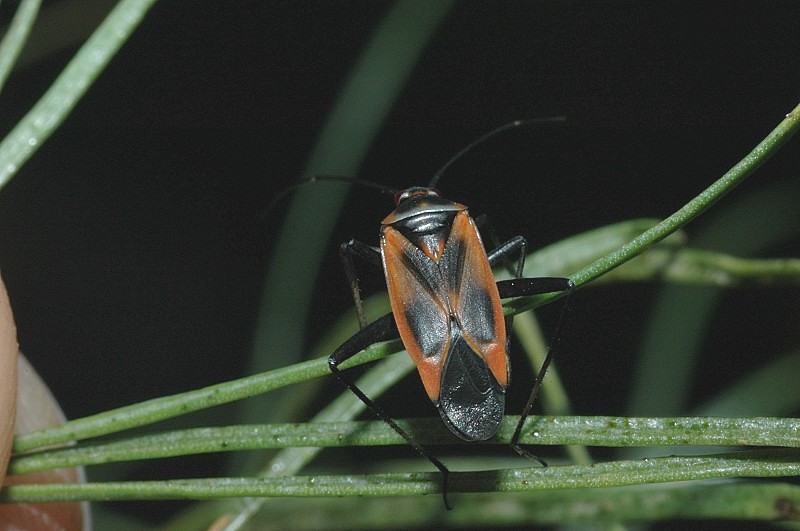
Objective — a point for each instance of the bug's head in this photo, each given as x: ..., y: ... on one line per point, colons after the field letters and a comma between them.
x: 418, y: 201
x: 415, y: 192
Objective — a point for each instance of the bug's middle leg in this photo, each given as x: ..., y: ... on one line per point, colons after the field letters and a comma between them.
x: 522, y: 287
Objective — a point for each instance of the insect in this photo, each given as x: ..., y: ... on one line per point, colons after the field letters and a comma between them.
x: 446, y: 310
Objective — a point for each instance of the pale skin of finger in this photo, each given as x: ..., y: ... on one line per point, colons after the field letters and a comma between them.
x: 8, y: 379
x: 23, y: 394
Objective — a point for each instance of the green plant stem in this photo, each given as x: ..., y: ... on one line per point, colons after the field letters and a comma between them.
x: 736, y: 500
x: 565, y: 256
x: 152, y: 411
x: 762, y: 464
x: 748, y: 225
x: 744, y: 168
x: 367, y: 96
x: 555, y: 401
x: 705, y: 268
x: 347, y: 406
x: 759, y: 392
x: 560, y: 259
x: 16, y: 36
x: 163, y: 408
x: 541, y: 431
x: 65, y: 92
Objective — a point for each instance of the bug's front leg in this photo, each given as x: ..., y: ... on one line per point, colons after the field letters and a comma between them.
x: 518, y: 245
x: 523, y: 287
x: 347, y: 252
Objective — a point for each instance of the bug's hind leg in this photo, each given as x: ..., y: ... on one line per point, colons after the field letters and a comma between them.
x: 381, y: 329
x: 547, y: 285
x: 523, y: 287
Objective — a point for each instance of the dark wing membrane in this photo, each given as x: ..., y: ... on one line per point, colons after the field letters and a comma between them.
x: 475, y: 372
x: 420, y: 312
x: 473, y: 295
x: 471, y: 402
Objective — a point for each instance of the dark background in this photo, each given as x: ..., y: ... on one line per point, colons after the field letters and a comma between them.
x: 134, y: 243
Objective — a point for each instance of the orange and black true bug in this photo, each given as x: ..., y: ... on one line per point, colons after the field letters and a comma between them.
x: 446, y: 309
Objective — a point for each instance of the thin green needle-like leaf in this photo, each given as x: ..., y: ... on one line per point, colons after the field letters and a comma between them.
x: 540, y: 431
x: 744, y: 168
x: 158, y: 409
x: 672, y: 345
x: 374, y: 84
x: 17, y: 35
x: 762, y: 392
x: 765, y: 501
x: 696, y: 267
x: 62, y: 96
x: 761, y: 463
x: 347, y: 406
x: 152, y: 411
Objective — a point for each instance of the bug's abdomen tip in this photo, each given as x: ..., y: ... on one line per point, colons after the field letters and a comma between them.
x: 471, y: 402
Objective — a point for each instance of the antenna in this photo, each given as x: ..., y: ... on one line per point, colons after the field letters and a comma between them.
x: 341, y: 178
x: 480, y: 140
x: 394, y: 191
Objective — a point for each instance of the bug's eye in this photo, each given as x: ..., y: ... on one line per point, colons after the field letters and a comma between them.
x: 401, y: 196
